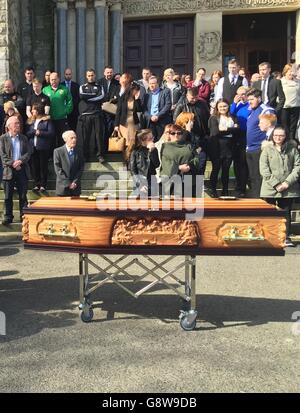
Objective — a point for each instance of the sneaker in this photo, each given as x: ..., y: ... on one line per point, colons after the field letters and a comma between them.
x: 288, y: 243
x: 36, y: 189
x: 42, y: 189
x: 101, y: 159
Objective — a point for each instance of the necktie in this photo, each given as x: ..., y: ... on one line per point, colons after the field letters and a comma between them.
x: 71, y: 155
x: 264, y: 84
x: 232, y: 81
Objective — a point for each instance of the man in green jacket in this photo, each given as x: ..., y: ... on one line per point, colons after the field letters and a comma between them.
x: 61, y: 105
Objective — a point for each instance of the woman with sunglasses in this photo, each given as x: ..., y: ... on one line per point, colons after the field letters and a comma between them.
x: 280, y: 170
x: 223, y: 131
x: 177, y: 158
x: 143, y: 161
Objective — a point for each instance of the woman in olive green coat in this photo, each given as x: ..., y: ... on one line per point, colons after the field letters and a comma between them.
x: 280, y: 170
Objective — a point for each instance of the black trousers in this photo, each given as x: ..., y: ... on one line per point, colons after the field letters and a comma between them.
x: 109, y: 123
x: 289, y: 120
x: 20, y: 181
x: 39, y: 167
x: 60, y: 126
x: 90, y: 130
x: 157, y: 130
x: 286, y: 204
x: 240, y: 166
x: 254, y: 174
x: 222, y: 164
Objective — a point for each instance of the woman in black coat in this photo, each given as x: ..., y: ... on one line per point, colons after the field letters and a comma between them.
x: 223, y: 130
x: 40, y: 132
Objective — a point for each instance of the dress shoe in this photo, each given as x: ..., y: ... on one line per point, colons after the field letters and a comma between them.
x: 7, y: 221
x: 213, y: 193
x: 241, y: 195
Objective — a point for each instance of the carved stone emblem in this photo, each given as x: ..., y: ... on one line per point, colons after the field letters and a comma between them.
x: 210, y: 46
x: 155, y: 232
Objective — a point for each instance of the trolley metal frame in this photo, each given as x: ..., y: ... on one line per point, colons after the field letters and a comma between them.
x: 188, y: 314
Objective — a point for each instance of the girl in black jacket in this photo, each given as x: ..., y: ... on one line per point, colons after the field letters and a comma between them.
x: 40, y: 133
x: 144, y: 160
x: 223, y: 129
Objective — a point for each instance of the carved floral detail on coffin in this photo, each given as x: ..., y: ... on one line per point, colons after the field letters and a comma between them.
x: 155, y: 232
x: 56, y: 229
x: 25, y: 229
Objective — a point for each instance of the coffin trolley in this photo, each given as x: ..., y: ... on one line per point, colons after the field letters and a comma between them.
x: 139, y: 230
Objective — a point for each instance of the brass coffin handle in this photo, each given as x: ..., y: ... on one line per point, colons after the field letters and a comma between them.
x: 64, y: 232
x: 250, y: 235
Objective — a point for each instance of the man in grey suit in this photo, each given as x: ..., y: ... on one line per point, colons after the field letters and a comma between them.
x: 15, y: 153
x: 68, y: 165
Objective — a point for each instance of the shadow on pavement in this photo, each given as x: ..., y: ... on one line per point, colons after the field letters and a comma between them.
x: 8, y: 251
x: 8, y: 273
x: 30, y: 306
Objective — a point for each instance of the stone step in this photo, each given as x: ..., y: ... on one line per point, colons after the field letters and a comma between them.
x: 6, y: 237
x: 14, y: 227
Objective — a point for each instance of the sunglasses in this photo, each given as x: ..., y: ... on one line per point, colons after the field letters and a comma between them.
x: 175, y: 133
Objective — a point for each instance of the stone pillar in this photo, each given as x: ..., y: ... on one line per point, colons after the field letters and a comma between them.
x: 208, y: 41
x: 62, y: 35
x: 4, y: 53
x: 116, y: 36
x: 298, y: 36
x: 100, y: 34
x: 72, y: 38
x: 81, y: 40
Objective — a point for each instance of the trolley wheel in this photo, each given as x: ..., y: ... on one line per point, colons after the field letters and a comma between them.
x: 87, y: 316
x: 186, y: 324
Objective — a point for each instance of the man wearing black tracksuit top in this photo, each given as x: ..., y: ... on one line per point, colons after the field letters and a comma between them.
x: 90, y: 127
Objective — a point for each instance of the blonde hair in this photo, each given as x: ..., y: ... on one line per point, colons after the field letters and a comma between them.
x: 10, y: 105
x: 167, y: 72
x: 184, y: 118
x: 286, y: 69
x: 243, y: 88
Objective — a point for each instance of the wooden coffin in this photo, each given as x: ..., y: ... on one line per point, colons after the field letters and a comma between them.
x: 173, y: 227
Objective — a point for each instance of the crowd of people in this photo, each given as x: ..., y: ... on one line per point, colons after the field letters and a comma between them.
x: 171, y: 128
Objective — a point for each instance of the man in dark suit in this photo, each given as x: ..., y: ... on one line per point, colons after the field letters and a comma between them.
x: 111, y: 89
x: 15, y: 153
x: 157, y: 108
x: 74, y: 89
x: 272, y: 92
x: 68, y: 166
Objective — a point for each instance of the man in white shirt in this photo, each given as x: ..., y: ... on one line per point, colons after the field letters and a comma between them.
x: 15, y: 154
x: 228, y: 85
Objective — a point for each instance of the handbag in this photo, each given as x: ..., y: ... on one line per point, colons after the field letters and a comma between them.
x: 110, y: 107
x: 116, y: 143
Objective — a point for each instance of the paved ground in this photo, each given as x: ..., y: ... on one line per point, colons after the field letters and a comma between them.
x: 243, y: 341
